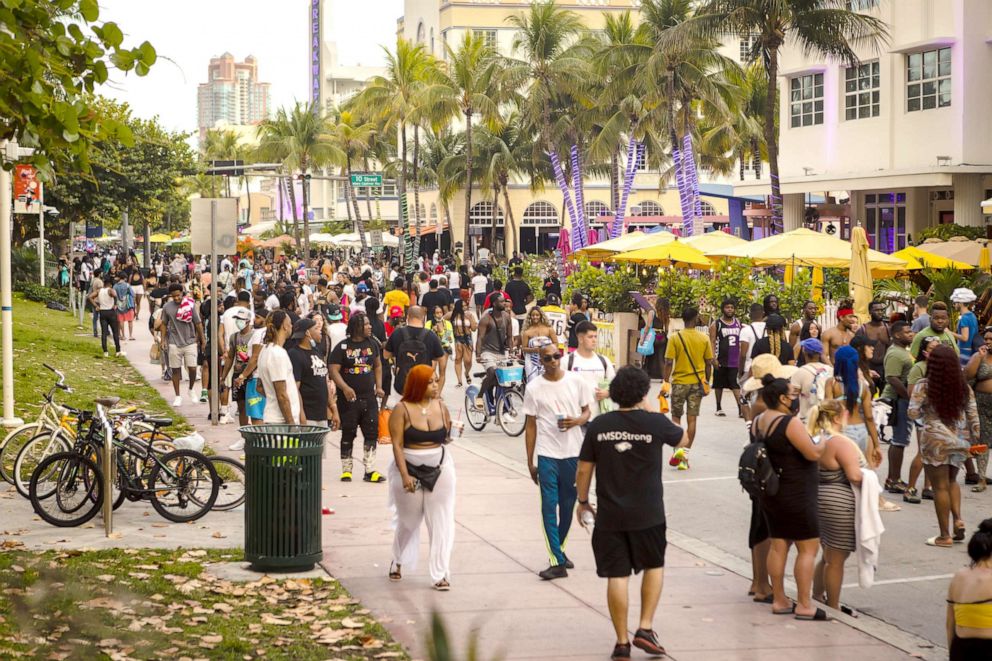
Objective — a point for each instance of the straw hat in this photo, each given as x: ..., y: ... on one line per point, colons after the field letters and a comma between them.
x: 764, y: 364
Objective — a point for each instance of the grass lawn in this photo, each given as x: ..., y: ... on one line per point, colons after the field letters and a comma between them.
x: 146, y: 604
x: 48, y: 336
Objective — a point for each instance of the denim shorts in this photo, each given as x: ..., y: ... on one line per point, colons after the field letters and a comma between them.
x: 900, y: 423
x: 858, y: 434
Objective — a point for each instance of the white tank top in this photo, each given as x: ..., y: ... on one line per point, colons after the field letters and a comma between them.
x: 104, y: 299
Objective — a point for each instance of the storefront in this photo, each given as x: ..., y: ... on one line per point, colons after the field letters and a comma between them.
x: 539, y: 229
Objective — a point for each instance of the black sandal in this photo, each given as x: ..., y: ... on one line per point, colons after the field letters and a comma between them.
x: 819, y: 616
x: 785, y: 611
x: 395, y: 575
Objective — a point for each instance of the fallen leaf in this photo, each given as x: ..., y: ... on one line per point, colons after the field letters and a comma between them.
x: 212, y: 639
x: 349, y: 623
x: 218, y: 535
x: 268, y: 618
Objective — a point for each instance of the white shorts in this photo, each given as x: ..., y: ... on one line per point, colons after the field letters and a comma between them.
x: 179, y: 355
x: 491, y: 359
x: 139, y: 290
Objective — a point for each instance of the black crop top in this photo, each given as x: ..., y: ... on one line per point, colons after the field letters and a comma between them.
x: 414, y: 436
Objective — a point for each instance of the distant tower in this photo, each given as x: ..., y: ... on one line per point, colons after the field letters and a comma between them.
x: 316, y: 52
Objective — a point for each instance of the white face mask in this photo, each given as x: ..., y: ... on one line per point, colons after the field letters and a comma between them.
x: 241, y: 323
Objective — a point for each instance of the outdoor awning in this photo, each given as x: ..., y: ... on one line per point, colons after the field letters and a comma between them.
x: 962, y: 251
x: 804, y: 247
x: 260, y: 228
x: 713, y: 241
x: 926, y: 259
x: 987, y: 206
x: 671, y: 253
x: 631, y: 241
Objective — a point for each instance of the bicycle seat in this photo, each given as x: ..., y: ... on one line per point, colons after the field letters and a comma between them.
x: 107, y: 402
x: 479, y: 375
x: 158, y: 422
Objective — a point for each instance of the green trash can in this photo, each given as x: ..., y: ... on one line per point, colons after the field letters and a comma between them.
x: 282, y: 502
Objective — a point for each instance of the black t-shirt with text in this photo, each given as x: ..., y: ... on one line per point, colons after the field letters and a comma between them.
x: 310, y: 371
x: 357, y: 361
x: 627, y: 448
x: 518, y: 291
x: 432, y: 299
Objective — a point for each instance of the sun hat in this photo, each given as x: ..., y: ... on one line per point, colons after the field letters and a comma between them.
x: 764, y: 364
x: 963, y: 295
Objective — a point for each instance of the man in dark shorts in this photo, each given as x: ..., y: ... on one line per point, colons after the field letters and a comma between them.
x: 625, y: 448
x: 724, y: 334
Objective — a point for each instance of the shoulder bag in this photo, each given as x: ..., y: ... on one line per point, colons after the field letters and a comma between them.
x: 705, y: 386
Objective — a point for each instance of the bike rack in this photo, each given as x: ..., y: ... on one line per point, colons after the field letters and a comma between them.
x: 108, y: 472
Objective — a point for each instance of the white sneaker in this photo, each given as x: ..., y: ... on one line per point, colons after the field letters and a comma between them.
x: 237, y: 445
x: 178, y: 401
x: 106, y: 354
x: 226, y: 419
x: 122, y: 354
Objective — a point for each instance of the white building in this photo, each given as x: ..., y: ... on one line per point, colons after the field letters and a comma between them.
x: 906, y: 133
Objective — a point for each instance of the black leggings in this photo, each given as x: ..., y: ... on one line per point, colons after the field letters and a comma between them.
x: 108, y: 324
x: 363, y: 413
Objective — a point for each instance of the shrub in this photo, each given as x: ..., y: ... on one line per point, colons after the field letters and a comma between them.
x: 949, y: 230
x: 609, y: 287
x: 35, y: 292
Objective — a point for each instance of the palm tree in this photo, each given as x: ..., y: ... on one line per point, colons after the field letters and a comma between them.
x: 741, y: 133
x: 469, y: 86
x: 222, y: 145
x: 443, y: 149
x: 504, y: 153
x: 302, y: 139
x: 820, y: 28
x: 353, y: 140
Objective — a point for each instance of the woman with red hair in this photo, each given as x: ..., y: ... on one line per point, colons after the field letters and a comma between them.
x: 422, y: 477
x: 950, y: 426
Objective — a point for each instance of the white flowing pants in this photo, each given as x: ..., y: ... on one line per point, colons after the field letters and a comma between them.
x: 436, y: 507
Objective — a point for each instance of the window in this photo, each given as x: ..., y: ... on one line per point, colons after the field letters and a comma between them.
x: 650, y: 208
x: 433, y: 217
x: 928, y: 80
x: 481, y: 215
x: 806, y: 100
x: 489, y: 36
x: 861, y: 89
x: 595, y: 209
x: 641, y: 160
x: 540, y: 213
x: 634, y: 211
x: 432, y: 41
x: 708, y: 209
x: 885, y: 221
x: 420, y: 32
x: 748, y: 44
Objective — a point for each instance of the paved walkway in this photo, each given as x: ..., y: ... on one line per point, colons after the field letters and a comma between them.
x: 704, y: 612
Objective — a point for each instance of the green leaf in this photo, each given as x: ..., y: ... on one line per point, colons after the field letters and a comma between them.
x: 112, y: 35
x: 141, y: 68
x: 148, y: 54
x: 69, y: 136
x: 89, y: 10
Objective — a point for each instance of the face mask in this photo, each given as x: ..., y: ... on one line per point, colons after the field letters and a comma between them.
x: 240, y: 323
x: 313, y: 343
x: 794, y: 406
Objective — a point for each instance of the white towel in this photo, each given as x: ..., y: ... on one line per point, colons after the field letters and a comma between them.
x: 868, y: 526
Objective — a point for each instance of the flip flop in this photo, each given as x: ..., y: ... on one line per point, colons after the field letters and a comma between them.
x: 959, y: 533
x: 888, y: 506
x: 767, y: 599
x: 944, y: 545
x: 819, y: 616
x: 787, y: 611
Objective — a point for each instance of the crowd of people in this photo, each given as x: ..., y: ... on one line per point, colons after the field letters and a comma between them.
x: 334, y: 342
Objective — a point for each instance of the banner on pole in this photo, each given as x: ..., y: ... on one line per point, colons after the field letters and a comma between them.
x: 28, y: 191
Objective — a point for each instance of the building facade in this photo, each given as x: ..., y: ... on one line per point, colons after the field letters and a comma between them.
x: 904, y: 136
x: 232, y: 95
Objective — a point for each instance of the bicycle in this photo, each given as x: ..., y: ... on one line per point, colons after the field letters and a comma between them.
x: 73, y: 482
x: 505, y: 404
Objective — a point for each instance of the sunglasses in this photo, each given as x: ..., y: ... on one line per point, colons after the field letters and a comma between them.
x: 551, y: 357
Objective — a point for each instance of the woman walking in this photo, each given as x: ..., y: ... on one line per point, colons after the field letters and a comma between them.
x: 979, y: 371
x: 840, y: 470
x: 792, y: 513
x: 537, y: 333
x: 916, y: 374
x: 660, y: 319
x: 104, y: 302
x: 950, y: 425
x: 419, y: 428
x: 463, y: 324
x: 849, y: 385
x: 969, y: 601
x: 445, y: 333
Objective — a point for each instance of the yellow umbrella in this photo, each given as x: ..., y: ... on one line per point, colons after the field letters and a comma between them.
x: 817, y: 284
x: 159, y: 238
x: 963, y: 251
x: 984, y: 262
x: 672, y: 253
x: 804, y: 247
x: 859, y: 278
x: 713, y: 241
x: 632, y: 241
x: 914, y: 256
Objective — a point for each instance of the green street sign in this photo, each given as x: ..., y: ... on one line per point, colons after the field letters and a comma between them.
x: 364, y: 179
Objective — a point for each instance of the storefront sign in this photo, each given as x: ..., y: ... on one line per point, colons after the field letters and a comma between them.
x: 316, y: 39
x: 605, y: 340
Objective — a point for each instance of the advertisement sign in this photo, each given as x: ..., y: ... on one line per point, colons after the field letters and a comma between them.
x: 316, y: 39
x: 225, y: 225
x: 28, y: 194
x: 605, y: 338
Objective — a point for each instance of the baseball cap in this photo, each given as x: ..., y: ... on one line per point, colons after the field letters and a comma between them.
x: 553, y: 299
x: 395, y: 311
x: 361, y: 287
x: 301, y: 327
x: 812, y: 345
x: 243, y: 314
x: 334, y: 312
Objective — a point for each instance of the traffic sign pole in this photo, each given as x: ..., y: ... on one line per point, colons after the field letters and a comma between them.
x: 212, y: 348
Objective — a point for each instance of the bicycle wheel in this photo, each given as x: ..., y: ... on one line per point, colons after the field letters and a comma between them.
x: 510, y: 412
x: 231, y: 473
x: 477, y: 418
x: 74, y: 485
x: 184, y: 486
x: 31, y: 455
x: 12, y: 444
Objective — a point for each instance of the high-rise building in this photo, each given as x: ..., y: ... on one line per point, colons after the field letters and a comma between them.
x: 232, y: 94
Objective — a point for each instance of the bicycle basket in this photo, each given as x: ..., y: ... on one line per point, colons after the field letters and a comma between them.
x: 510, y: 375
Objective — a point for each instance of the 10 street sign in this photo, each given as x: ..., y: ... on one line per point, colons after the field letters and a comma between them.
x: 365, y: 179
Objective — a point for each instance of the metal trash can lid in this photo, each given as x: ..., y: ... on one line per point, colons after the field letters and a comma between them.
x: 283, y: 436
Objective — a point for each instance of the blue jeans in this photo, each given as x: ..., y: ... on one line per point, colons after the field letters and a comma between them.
x: 558, y: 494
x: 900, y: 423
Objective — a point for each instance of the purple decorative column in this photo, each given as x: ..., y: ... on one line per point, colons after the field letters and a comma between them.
x: 685, y: 197
x: 633, y: 148
x: 579, y: 237
x: 692, y: 180
x: 560, y: 180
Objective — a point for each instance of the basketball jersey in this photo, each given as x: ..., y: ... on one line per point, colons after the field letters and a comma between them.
x: 558, y: 319
x: 728, y: 350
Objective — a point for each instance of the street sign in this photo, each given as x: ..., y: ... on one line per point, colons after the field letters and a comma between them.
x: 225, y: 229
x: 365, y: 179
x: 376, y: 239
x: 226, y: 168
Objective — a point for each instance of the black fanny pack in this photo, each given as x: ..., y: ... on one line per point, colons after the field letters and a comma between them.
x: 426, y: 475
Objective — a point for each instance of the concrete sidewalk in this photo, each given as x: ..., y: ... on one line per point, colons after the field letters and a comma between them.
x: 704, y: 612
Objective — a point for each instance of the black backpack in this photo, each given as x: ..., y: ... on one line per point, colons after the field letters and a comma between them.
x: 412, y: 350
x: 755, y: 471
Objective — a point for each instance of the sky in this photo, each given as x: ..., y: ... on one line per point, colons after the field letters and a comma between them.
x: 187, y: 33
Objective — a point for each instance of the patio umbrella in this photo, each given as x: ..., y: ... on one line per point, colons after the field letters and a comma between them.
x: 672, y: 253
x: 962, y: 251
x: 632, y: 241
x: 804, y: 247
x: 159, y: 238
x: 859, y: 278
x: 918, y: 259
x: 713, y: 241
x: 984, y: 262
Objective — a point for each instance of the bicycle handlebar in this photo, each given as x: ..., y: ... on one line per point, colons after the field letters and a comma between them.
x: 61, y: 378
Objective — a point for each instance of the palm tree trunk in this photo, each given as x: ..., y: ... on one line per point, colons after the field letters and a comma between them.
x: 359, y: 225
x: 468, y: 181
x: 347, y: 193
x: 416, y: 189
x: 756, y: 158
x: 771, y: 139
x: 296, y: 219
x: 492, y: 233
x: 510, y: 231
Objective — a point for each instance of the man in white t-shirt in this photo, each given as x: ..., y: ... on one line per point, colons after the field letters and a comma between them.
x: 748, y: 337
x: 282, y: 397
x: 337, y: 330
x: 483, y: 255
x: 479, y: 285
x: 594, y: 367
x: 454, y: 280
x: 556, y: 404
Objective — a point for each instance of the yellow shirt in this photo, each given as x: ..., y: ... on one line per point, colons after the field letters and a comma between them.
x: 700, y: 351
x: 396, y: 297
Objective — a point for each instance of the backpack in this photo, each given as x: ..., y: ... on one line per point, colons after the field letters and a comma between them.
x: 817, y: 392
x: 411, y: 351
x: 571, y: 361
x: 755, y: 471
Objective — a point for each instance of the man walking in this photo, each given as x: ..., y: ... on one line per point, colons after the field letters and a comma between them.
x: 356, y: 368
x: 898, y: 362
x: 594, y: 367
x: 749, y: 336
x: 625, y: 449
x: 841, y: 334
x: 412, y: 344
x: 519, y: 292
x: 688, y: 366
x: 724, y: 336
x: 182, y: 332
x: 939, y: 320
x: 876, y: 331
x: 556, y: 404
